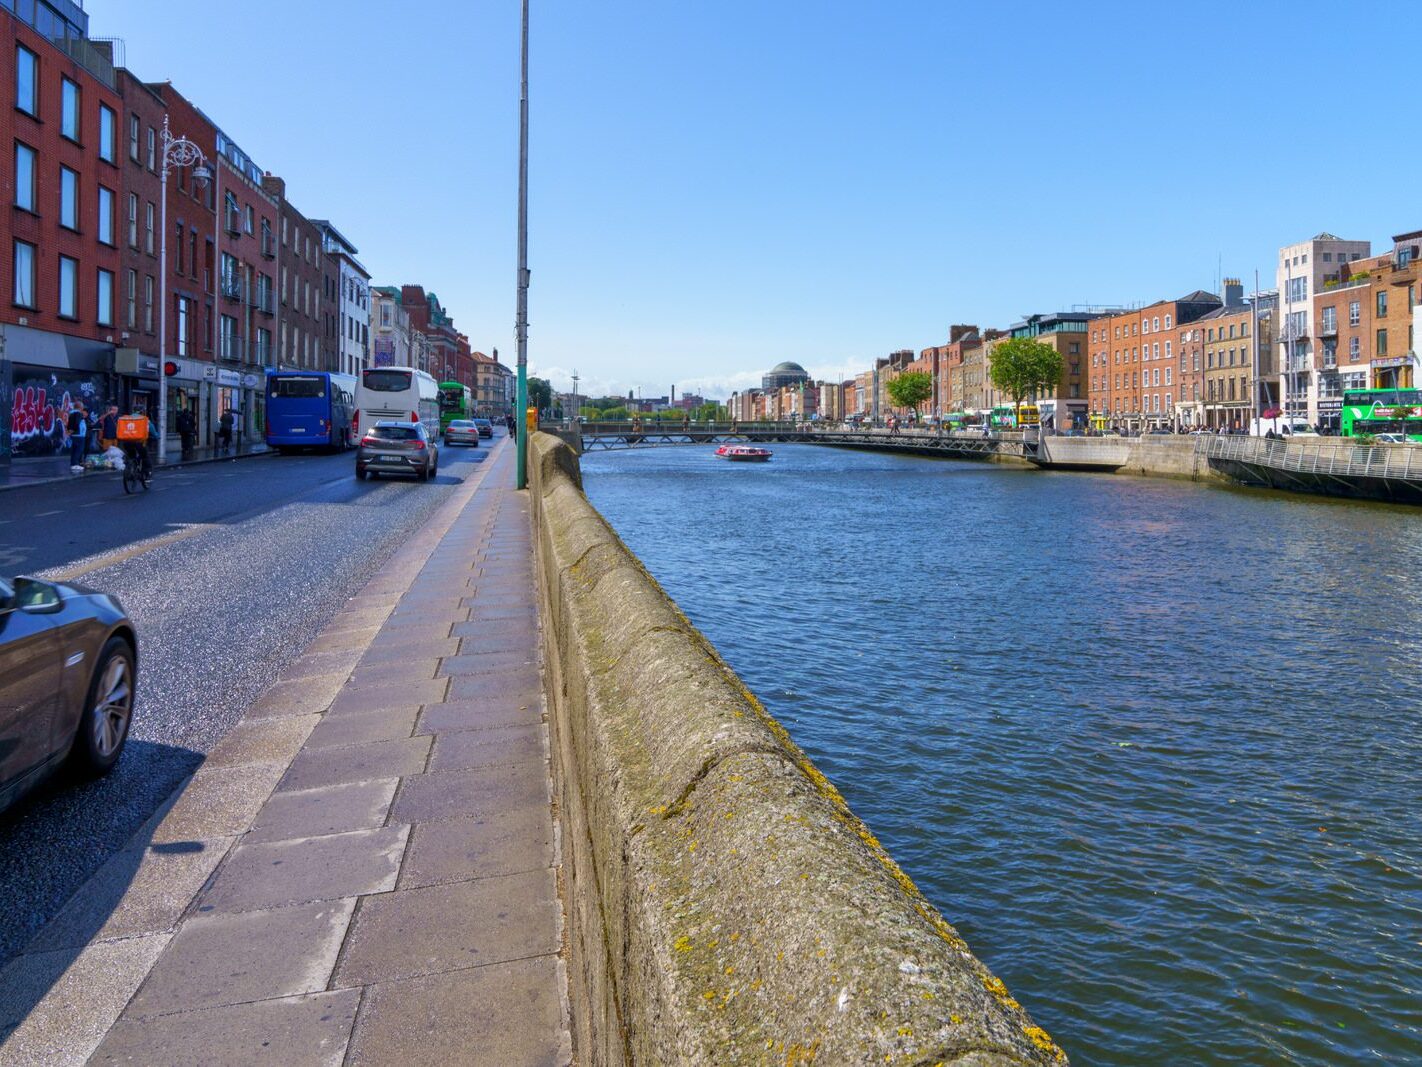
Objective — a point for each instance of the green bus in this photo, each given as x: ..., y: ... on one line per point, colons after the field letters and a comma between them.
x: 1003, y: 417
x: 1375, y: 411
x: 455, y: 402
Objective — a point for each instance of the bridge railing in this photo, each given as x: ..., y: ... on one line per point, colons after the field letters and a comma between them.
x: 1343, y: 457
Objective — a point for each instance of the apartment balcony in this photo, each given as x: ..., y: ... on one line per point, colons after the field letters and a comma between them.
x: 232, y: 223
x: 268, y: 246
x: 1289, y: 332
x: 232, y: 287
x: 265, y: 303
x: 1328, y: 329
x: 262, y: 352
x: 233, y: 347
x: 1298, y: 364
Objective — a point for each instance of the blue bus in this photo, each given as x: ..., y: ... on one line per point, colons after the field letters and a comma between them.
x: 309, y: 409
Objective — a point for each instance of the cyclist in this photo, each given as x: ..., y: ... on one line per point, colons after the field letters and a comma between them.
x: 135, y: 451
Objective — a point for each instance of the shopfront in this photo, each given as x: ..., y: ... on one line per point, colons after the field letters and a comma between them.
x: 43, y: 377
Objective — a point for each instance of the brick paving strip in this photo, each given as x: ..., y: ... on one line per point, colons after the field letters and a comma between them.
x: 365, y: 870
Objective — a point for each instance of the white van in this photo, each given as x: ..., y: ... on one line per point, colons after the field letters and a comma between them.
x: 1284, y: 426
x: 399, y: 394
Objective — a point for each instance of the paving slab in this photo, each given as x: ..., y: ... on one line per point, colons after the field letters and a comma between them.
x: 338, y: 640
x: 451, y: 794
x: 314, y: 768
x: 231, y: 959
x: 218, y: 802
x: 357, y: 728
x: 311, y: 664
x: 262, y: 741
x: 487, y: 662
x: 437, y: 647
x: 485, y: 714
x: 377, y: 697
x: 460, y: 750
x: 496, y: 639
x: 308, y: 1031
x: 417, y: 666
x: 513, y: 625
x: 439, y: 928
x: 522, y: 685
x: 506, y: 1011
x: 299, y: 696
x: 273, y: 874
x: 478, y: 846
x: 332, y: 809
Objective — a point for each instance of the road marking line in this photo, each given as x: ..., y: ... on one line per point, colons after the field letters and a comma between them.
x: 43, y: 514
x: 95, y: 504
x: 120, y: 555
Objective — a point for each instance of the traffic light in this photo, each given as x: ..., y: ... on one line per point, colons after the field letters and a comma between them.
x: 170, y: 368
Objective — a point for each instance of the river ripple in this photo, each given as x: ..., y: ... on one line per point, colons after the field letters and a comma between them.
x: 1152, y: 747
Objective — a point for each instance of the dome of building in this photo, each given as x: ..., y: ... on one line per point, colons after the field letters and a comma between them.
x: 783, y: 374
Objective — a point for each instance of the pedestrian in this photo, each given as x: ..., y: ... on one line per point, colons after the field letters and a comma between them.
x: 78, y: 427
x: 108, y: 428
x: 187, y: 429
x: 224, y: 431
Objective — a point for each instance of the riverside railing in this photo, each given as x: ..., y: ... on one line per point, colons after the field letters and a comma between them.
x: 1339, y: 457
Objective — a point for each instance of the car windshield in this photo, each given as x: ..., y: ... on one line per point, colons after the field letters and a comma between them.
x: 386, y: 381
x: 464, y: 424
x: 396, y: 433
x: 482, y: 422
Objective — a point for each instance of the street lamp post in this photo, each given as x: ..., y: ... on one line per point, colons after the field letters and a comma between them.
x: 177, y: 152
x: 521, y: 321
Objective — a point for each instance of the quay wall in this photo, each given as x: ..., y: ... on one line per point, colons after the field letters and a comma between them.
x: 725, y: 905
x: 1164, y: 456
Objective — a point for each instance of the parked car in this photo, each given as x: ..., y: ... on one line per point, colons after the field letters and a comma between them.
x: 486, y: 428
x: 397, y: 448
x: 68, y: 675
x: 461, y: 432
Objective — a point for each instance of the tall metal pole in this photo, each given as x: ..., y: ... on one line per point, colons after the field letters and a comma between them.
x: 163, y: 305
x: 521, y: 323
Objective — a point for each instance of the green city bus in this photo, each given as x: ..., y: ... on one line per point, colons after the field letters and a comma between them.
x: 1003, y: 417
x: 455, y: 402
x: 1375, y: 411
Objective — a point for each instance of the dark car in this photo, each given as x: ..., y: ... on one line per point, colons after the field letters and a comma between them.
x: 68, y: 673
x: 461, y: 432
x: 397, y: 448
x: 486, y: 428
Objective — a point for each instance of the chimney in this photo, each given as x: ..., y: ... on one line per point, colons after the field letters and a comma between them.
x: 273, y: 186
x: 958, y: 332
x: 1233, y: 293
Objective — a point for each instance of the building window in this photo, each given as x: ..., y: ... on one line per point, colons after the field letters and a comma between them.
x: 24, y: 176
x: 133, y: 219
x: 152, y: 149
x: 1353, y: 347
x: 1073, y: 348
x: 69, y: 109
x: 1155, y: 323
x: 1354, y: 312
x: 1382, y: 303
x: 247, y: 222
x: 148, y: 228
x: 24, y: 291
x: 1167, y: 349
x: 1167, y: 322
x: 106, y: 215
x: 1167, y: 375
x: 68, y: 288
x: 130, y: 317
x: 148, y: 303
x: 133, y: 128
x: 105, y: 315
x: 1381, y: 349
x: 182, y: 339
x: 68, y: 198
x: 178, y: 229
x: 26, y: 81
x: 108, y: 133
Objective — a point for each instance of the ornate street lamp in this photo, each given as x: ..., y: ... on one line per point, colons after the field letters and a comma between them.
x: 177, y: 152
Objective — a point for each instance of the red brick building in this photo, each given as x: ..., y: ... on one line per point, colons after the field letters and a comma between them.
x: 62, y: 324
x: 1134, y: 364
x: 301, y: 283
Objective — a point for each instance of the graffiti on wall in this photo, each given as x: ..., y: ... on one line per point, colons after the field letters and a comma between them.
x: 39, y: 412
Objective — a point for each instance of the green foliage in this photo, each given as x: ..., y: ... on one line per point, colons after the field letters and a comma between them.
x: 911, y: 389
x: 711, y: 412
x: 540, y: 394
x: 1024, y: 367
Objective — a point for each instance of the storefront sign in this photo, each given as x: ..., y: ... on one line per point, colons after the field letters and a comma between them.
x: 250, y: 381
x: 230, y: 378
x: 1391, y: 361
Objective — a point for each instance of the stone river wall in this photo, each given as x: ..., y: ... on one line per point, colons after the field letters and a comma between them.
x: 725, y: 904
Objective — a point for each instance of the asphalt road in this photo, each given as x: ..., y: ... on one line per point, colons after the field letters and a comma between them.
x: 228, y: 569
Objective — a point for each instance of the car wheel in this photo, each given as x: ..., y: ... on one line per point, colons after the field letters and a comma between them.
x: 108, y: 710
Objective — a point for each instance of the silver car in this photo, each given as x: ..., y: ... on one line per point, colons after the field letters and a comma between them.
x: 68, y: 672
x: 397, y: 448
x: 461, y: 432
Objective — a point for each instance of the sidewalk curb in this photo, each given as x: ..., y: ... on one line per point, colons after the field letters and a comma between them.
x: 8, y: 488
x: 214, y: 807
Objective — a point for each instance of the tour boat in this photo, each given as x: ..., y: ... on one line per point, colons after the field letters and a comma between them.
x: 744, y: 453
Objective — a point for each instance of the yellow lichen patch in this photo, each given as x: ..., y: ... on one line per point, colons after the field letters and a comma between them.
x: 709, y: 995
x: 956, y: 1020
x: 905, y: 1031
x: 734, y: 777
x: 1043, y: 1041
x: 993, y: 985
x: 682, y: 944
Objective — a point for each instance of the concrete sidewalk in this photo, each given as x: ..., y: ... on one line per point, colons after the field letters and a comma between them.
x: 365, y: 870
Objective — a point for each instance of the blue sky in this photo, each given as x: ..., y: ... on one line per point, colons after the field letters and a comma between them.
x: 719, y: 185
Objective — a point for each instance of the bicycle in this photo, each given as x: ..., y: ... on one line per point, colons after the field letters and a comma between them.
x: 136, y: 468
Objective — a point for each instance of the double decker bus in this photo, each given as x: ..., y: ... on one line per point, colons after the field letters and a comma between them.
x: 309, y: 409
x: 1375, y: 411
x: 455, y: 402
x: 1002, y: 417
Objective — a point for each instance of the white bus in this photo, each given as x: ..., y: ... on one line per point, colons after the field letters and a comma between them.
x: 402, y: 394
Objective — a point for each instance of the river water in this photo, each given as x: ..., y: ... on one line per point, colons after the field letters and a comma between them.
x: 1154, y: 748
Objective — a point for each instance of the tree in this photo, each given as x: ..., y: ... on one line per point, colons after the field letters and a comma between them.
x: 710, y: 412
x: 1023, y: 367
x: 911, y: 389
x: 540, y: 394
